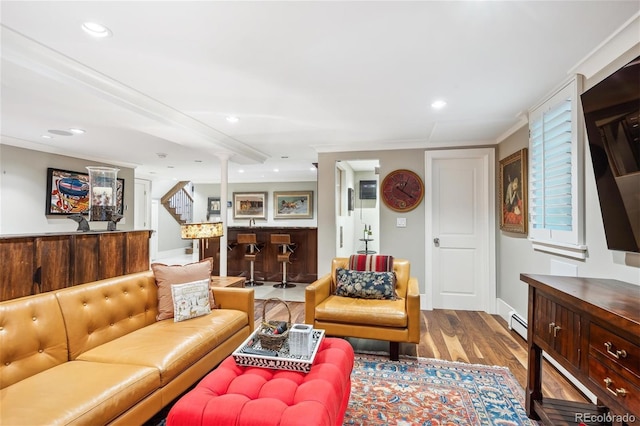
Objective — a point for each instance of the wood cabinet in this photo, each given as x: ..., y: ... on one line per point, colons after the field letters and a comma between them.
x: 591, y: 327
x: 31, y: 264
x: 304, y: 260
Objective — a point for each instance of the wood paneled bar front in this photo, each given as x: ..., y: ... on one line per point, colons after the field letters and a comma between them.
x: 31, y: 264
x: 304, y: 260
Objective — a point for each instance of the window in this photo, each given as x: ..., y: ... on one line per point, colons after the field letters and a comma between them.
x: 555, y: 173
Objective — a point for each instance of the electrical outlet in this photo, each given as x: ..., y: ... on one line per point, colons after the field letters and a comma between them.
x: 401, y: 222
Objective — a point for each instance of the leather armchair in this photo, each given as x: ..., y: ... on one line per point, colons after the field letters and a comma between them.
x: 393, y: 320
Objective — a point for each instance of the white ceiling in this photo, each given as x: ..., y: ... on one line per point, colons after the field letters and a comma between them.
x: 302, y: 77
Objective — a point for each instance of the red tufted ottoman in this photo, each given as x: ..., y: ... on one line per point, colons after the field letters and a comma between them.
x: 232, y: 395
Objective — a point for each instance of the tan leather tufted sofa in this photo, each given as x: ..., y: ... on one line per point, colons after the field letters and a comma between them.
x: 393, y: 320
x: 94, y: 354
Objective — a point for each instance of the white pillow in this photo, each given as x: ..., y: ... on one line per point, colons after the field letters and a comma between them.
x: 190, y: 300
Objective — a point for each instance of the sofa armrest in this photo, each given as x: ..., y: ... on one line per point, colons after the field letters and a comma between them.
x: 315, y: 293
x: 241, y: 299
x: 413, y: 310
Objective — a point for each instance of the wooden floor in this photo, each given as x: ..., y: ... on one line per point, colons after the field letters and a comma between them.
x: 465, y: 336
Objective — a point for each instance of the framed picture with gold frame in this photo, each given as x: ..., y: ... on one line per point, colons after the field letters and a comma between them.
x: 513, y: 193
x: 249, y: 205
x: 293, y: 204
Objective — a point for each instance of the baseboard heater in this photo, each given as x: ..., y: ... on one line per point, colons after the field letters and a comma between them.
x: 518, y: 324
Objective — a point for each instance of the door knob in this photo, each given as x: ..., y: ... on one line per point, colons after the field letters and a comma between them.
x: 436, y: 241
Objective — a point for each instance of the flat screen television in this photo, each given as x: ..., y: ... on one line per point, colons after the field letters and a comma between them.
x: 612, y: 118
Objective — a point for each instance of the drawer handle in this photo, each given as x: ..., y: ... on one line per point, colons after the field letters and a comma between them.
x: 555, y: 331
x: 551, y: 325
x: 621, y: 353
x: 617, y: 392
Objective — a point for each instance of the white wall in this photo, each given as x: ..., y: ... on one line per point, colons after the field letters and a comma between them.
x: 23, y: 192
x: 515, y: 254
x: 367, y: 212
x: 404, y: 243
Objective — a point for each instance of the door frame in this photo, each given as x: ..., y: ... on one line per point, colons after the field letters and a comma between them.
x: 488, y: 157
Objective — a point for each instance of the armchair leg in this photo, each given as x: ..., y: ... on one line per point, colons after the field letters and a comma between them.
x: 394, y: 351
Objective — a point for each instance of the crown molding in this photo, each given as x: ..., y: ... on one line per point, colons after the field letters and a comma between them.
x: 34, y: 56
x: 621, y: 41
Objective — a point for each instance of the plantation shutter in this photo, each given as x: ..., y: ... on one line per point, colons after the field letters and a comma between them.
x: 550, y: 179
x: 556, y: 218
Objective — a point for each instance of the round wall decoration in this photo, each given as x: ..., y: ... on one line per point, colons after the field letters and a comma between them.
x: 402, y: 190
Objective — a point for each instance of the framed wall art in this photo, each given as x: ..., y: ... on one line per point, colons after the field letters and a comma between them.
x: 68, y: 193
x: 513, y: 193
x: 249, y: 205
x: 368, y: 189
x: 351, y: 199
x: 293, y: 205
x: 213, y: 206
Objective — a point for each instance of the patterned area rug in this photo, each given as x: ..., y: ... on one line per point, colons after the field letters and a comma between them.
x: 429, y: 392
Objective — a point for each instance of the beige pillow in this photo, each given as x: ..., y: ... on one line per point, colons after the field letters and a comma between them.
x: 190, y: 300
x: 167, y: 275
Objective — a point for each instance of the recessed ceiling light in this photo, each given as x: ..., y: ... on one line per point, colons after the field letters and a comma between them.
x: 439, y: 104
x: 47, y: 136
x: 76, y: 131
x: 240, y: 171
x: 60, y: 132
x: 232, y: 119
x: 96, y: 30
x: 276, y: 170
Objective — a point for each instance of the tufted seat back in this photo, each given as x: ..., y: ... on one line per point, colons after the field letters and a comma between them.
x: 99, y: 312
x: 32, y: 337
x: 401, y: 267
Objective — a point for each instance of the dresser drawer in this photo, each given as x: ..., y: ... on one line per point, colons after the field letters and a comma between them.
x: 616, y: 349
x: 619, y: 389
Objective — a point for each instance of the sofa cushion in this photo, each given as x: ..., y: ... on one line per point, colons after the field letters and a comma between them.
x: 171, y: 347
x: 366, y: 284
x: 371, y: 262
x: 77, y: 392
x: 190, y: 300
x: 32, y: 337
x: 167, y: 275
x: 98, y: 312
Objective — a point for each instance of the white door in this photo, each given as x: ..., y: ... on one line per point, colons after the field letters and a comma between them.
x: 142, y: 204
x: 460, y: 230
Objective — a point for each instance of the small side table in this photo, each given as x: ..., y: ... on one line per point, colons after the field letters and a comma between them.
x: 366, y: 246
x: 217, y: 281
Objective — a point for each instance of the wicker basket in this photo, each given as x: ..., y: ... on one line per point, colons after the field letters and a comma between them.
x: 268, y: 340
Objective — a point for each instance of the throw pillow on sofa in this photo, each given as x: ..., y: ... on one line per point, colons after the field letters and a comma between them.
x: 366, y: 284
x: 190, y: 300
x: 167, y: 275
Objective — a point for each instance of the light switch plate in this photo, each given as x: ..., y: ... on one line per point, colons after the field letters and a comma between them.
x: 401, y: 222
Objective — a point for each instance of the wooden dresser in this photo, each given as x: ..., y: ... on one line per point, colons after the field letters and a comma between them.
x: 591, y: 327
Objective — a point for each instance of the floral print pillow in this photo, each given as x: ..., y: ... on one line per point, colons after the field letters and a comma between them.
x: 366, y: 284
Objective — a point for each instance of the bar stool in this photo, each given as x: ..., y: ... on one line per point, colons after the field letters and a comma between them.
x: 249, y: 240
x: 285, y: 248
x: 230, y: 246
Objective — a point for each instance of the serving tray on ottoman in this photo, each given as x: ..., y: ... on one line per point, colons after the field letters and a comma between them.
x: 251, y: 354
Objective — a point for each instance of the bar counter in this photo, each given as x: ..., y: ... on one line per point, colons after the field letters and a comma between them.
x: 304, y: 260
x: 35, y: 263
